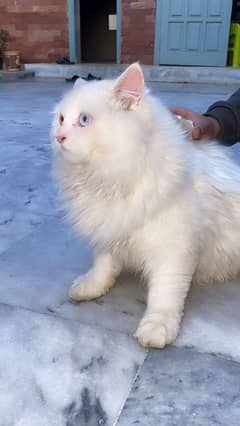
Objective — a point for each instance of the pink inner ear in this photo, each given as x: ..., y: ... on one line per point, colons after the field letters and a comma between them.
x: 131, y: 80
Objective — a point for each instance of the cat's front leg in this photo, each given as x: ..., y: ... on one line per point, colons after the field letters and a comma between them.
x: 98, y: 280
x: 160, y: 324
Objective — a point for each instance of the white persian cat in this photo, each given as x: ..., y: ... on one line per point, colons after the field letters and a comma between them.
x: 147, y: 198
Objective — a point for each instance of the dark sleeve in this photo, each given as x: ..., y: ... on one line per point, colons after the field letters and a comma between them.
x: 227, y: 113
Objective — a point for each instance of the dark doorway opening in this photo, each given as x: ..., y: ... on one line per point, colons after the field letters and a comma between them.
x: 236, y: 11
x: 98, y: 40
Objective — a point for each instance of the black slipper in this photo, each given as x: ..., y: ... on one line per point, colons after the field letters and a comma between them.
x: 72, y: 79
x: 64, y: 61
x: 91, y: 77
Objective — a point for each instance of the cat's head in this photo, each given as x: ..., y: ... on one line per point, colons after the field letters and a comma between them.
x: 102, y: 123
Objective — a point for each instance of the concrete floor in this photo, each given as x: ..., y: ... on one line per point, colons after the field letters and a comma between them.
x: 65, y: 364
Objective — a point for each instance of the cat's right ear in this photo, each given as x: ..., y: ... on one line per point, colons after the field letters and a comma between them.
x: 129, y: 87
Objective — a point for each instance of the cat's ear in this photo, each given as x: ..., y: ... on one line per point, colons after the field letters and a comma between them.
x: 128, y: 88
x: 79, y: 82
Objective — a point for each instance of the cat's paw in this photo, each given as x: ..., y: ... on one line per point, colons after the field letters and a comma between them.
x: 157, y: 330
x: 86, y: 288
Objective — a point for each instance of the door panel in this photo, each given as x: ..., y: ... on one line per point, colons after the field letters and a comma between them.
x: 192, y: 32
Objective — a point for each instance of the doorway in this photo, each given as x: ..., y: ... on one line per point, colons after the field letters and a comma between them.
x: 98, y: 31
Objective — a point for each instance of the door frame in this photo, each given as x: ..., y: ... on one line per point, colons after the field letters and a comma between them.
x: 74, y: 33
x: 157, y: 38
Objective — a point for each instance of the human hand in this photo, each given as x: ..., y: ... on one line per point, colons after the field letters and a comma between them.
x: 203, y: 127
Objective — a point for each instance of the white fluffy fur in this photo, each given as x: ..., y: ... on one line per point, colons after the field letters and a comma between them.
x: 147, y: 198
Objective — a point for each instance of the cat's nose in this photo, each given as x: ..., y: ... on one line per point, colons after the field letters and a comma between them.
x: 61, y: 138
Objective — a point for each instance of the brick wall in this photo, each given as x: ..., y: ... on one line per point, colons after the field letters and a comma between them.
x: 38, y: 28
x: 138, y: 30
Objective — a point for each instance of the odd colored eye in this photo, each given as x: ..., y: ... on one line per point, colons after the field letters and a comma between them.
x: 84, y: 119
x: 61, y: 119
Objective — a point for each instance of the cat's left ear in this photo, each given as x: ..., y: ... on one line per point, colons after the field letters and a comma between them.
x: 79, y: 82
x: 129, y: 87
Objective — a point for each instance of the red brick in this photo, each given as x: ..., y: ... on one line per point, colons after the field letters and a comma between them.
x: 142, y: 4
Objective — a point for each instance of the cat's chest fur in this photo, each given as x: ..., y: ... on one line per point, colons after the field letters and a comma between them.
x: 123, y: 223
x: 110, y: 217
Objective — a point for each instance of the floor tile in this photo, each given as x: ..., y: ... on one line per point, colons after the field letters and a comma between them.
x: 36, y: 273
x: 179, y: 387
x: 57, y: 372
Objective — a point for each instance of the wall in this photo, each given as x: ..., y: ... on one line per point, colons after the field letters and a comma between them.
x: 138, y: 30
x: 38, y: 28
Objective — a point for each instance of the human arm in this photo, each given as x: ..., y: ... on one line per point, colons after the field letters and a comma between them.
x: 221, y: 121
x: 227, y: 113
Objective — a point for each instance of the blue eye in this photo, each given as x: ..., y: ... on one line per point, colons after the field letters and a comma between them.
x: 84, y: 119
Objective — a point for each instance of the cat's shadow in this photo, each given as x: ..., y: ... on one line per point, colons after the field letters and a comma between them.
x: 129, y: 287
x: 216, y: 301
x: 205, y: 304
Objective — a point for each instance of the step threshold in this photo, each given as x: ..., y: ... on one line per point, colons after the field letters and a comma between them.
x: 155, y: 73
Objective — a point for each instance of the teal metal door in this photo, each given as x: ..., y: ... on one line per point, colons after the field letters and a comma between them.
x: 192, y: 32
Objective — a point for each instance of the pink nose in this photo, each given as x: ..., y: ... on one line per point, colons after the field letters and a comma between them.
x: 61, y: 138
